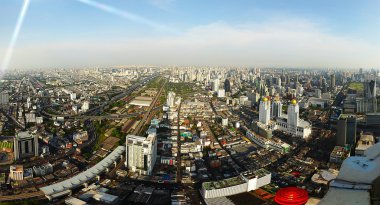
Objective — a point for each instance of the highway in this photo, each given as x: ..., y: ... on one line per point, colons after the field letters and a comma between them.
x: 96, y: 110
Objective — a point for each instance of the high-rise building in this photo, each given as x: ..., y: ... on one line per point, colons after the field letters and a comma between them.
x: 227, y: 85
x: 85, y: 106
x: 221, y: 93
x: 171, y: 99
x: 276, y: 109
x: 264, y: 111
x: 4, y: 97
x: 73, y: 96
x: 293, y: 117
x: 346, y: 130
x: 332, y: 81
x: 25, y: 145
x: 371, y: 95
x: 215, y: 85
x: 141, y: 153
x: 368, y: 103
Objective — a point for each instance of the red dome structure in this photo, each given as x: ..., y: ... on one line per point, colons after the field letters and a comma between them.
x: 291, y: 196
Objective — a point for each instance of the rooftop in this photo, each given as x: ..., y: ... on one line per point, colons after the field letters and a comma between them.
x: 85, y: 176
x: 356, y: 177
x: 24, y: 135
x: 17, y: 168
x: 257, y: 173
x: 345, y: 196
x: 223, y: 183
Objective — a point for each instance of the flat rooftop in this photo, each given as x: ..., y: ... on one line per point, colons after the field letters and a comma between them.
x: 223, y: 183
x: 24, y: 135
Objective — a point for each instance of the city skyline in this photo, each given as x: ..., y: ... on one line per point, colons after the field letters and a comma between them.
x: 80, y: 33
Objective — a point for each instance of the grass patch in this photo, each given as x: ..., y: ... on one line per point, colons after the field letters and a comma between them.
x: 181, y: 88
x: 356, y: 86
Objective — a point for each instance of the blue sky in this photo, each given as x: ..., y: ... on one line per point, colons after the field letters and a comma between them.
x: 292, y: 33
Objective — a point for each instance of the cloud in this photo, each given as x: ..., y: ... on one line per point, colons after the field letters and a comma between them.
x: 291, y: 43
x: 124, y: 14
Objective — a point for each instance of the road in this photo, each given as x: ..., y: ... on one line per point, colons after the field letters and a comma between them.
x: 96, y: 110
x: 145, y: 121
x: 179, y: 159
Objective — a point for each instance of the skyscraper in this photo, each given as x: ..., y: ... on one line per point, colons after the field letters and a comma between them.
x: 276, y: 109
x: 171, y: 99
x: 25, y: 145
x: 371, y: 95
x: 264, y: 111
x: 332, y: 81
x: 227, y: 85
x: 293, y: 117
x: 215, y: 85
x: 4, y: 97
x: 141, y: 153
x: 346, y: 130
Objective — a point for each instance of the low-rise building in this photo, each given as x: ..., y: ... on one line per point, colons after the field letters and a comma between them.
x: 245, y: 182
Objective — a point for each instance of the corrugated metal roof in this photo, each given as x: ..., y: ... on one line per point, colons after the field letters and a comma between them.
x: 84, y: 176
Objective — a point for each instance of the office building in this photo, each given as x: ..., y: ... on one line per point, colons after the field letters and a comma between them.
x: 368, y: 102
x: 332, y: 81
x: 215, y: 85
x: 264, y: 111
x: 73, y: 96
x: 85, y: 106
x: 227, y: 85
x: 4, y: 97
x: 276, y: 109
x: 171, y: 99
x: 221, y: 93
x: 293, y: 117
x: 25, y: 145
x: 346, y: 130
x: 290, y: 123
x: 141, y: 153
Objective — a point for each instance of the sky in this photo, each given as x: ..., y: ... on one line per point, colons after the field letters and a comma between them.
x: 265, y: 33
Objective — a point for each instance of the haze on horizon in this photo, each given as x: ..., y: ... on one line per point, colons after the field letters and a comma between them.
x: 294, y: 33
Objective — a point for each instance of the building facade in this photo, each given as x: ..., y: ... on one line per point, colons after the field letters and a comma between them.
x: 293, y: 117
x: 141, y: 153
x: 25, y: 145
x: 276, y: 109
x: 346, y: 130
x: 264, y: 111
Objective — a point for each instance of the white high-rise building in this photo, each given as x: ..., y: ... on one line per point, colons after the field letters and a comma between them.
x: 221, y: 93
x: 85, y: 106
x: 141, y: 153
x: 73, y: 96
x: 264, y: 111
x: 293, y: 117
x: 215, y: 85
x: 171, y: 99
